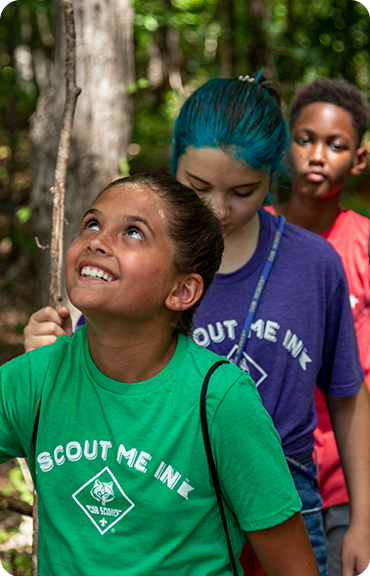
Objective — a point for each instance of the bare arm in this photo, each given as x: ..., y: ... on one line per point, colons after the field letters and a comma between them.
x: 285, y: 549
x: 350, y: 419
x: 44, y: 327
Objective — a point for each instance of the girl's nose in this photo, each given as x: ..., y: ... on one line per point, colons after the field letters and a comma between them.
x: 220, y: 205
x: 100, y: 242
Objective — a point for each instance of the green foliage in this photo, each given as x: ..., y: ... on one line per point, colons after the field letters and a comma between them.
x: 326, y: 38
x: 179, y: 44
x: 357, y: 203
x: 5, y: 535
x: 6, y: 565
x: 16, y: 563
x: 124, y: 167
x: 26, y: 44
x: 18, y: 482
x: 24, y: 214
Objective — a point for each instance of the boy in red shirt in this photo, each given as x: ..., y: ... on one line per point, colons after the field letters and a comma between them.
x: 328, y: 119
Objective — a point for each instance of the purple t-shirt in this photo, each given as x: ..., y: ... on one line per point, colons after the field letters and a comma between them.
x: 302, y: 333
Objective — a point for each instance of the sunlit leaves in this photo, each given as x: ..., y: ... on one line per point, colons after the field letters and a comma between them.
x: 178, y: 45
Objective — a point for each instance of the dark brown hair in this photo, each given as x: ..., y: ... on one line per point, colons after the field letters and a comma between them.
x: 192, y: 227
x: 338, y: 92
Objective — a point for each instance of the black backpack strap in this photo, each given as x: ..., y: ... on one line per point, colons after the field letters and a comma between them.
x: 35, y: 428
x: 34, y: 438
x: 211, y: 463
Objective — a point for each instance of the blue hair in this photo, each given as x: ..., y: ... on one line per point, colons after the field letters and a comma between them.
x: 242, y: 118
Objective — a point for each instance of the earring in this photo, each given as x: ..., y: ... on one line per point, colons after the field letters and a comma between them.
x: 173, y: 302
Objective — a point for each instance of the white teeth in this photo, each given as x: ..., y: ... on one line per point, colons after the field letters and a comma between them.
x: 88, y: 272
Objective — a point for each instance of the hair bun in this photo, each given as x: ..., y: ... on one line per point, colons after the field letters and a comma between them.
x: 271, y: 86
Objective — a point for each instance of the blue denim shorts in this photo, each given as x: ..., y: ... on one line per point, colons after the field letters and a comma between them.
x: 312, y: 515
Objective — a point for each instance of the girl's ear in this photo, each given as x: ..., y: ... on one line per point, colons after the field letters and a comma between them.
x: 359, y: 162
x: 186, y: 293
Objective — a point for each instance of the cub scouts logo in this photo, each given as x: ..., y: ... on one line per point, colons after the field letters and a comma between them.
x: 102, y: 491
x: 94, y: 496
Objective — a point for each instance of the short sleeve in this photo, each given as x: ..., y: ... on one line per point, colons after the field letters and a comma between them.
x: 341, y: 373
x: 18, y: 408
x: 254, y: 476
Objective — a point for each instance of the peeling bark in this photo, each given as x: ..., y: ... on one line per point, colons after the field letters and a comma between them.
x: 58, y: 190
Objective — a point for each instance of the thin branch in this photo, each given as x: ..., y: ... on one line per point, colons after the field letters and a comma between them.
x: 39, y: 245
x: 15, y: 505
x: 58, y: 190
x: 26, y: 473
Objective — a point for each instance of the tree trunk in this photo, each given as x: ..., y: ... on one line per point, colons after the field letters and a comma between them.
x: 103, y: 118
x: 259, y: 53
x: 227, y: 44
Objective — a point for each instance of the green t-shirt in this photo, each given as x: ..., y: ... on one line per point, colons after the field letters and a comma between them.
x: 121, y: 471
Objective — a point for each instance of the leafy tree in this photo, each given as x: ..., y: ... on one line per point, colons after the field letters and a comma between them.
x: 178, y: 44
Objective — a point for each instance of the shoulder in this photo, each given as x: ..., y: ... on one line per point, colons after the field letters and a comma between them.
x: 305, y: 260
x: 346, y: 224
x: 350, y: 216
x: 295, y: 236
x: 37, y: 362
x: 202, y: 360
x: 358, y: 225
x: 304, y: 238
x: 303, y: 248
x: 59, y: 350
x: 349, y: 235
x: 225, y: 379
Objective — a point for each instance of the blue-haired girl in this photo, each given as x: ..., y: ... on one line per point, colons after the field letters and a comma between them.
x: 278, y: 307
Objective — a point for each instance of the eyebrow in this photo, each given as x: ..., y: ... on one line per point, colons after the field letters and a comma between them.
x: 333, y: 135
x: 128, y: 217
x: 238, y: 186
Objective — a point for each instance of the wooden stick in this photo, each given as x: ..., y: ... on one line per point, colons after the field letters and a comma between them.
x: 58, y: 191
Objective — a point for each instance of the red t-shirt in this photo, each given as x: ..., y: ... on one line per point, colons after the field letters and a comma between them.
x: 349, y: 235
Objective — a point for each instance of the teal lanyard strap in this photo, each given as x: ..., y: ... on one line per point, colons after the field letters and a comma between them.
x: 257, y: 294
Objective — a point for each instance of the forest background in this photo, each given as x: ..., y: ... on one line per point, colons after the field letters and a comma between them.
x: 178, y: 45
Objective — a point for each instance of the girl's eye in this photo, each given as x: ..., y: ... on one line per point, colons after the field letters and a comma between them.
x: 245, y: 194
x: 134, y: 233
x: 198, y: 187
x: 92, y: 225
x: 337, y: 147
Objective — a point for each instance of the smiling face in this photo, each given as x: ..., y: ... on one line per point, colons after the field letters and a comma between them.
x: 121, y: 261
x: 234, y: 191
x: 324, y: 151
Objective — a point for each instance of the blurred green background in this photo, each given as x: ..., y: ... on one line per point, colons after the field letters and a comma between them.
x: 179, y: 44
